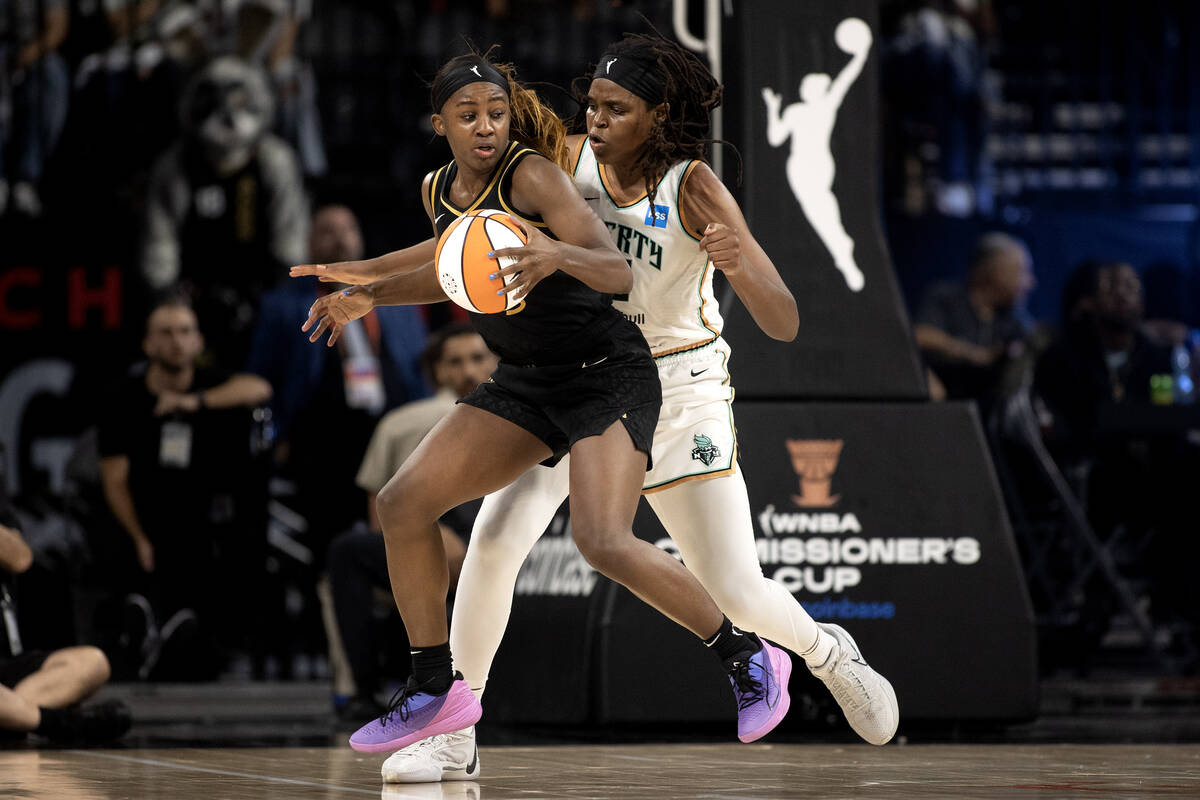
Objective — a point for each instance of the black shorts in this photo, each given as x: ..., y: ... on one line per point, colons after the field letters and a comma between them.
x: 15, y: 669
x: 563, y: 403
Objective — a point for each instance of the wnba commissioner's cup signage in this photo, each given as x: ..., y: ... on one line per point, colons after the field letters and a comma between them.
x: 808, y: 98
x: 886, y: 519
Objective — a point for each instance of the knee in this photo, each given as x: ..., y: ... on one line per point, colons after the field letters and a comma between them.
x: 607, y: 554
x: 88, y: 663
x: 401, y: 500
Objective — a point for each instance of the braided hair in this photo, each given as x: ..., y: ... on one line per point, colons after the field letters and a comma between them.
x: 532, y: 122
x: 690, y: 93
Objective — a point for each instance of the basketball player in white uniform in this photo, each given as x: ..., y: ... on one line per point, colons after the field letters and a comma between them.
x: 674, y: 237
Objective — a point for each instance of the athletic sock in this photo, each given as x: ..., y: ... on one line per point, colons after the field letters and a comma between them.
x: 730, y: 644
x: 821, y: 650
x: 432, y: 668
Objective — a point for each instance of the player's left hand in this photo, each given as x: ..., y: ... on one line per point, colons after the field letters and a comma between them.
x: 723, y: 247
x: 334, y: 310
x: 539, y: 257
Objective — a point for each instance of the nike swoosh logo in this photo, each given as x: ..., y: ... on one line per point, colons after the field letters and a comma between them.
x: 701, y: 372
x: 474, y: 759
x: 438, y: 218
x: 597, y: 197
x: 594, y: 363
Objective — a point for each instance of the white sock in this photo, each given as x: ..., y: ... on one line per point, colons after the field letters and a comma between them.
x: 820, y: 651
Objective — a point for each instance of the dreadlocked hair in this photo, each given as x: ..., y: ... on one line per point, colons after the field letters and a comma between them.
x: 690, y: 93
x: 532, y: 122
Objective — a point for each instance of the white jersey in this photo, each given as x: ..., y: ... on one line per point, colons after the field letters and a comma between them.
x: 672, y: 299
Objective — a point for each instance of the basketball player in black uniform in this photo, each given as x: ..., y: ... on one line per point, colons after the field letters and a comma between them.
x: 574, y: 376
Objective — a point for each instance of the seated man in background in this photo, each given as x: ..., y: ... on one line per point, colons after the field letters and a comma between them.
x: 1097, y: 380
x: 967, y: 333
x: 457, y: 361
x: 176, y: 472
x: 39, y: 691
x: 1100, y: 358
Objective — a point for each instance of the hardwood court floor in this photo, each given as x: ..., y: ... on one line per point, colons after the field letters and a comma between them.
x: 627, y: 772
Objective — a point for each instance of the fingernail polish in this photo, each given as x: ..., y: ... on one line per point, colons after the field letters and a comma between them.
x: 492, y: 276
x: 500, y: 292
x: 491, y: 254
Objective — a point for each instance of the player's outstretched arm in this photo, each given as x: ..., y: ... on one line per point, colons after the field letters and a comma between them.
x: 372, y: 269
x: 333, y: 311
x: 710, y: 213
x: 584, y: 249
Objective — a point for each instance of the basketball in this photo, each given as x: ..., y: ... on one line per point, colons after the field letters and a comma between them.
x: 463, y: 265
x: 853, y: 35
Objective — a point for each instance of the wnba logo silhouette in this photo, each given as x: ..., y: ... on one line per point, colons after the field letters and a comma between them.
x: 809, y: 124
x: 815, y: 461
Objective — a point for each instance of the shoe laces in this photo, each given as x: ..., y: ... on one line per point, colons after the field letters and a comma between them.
x: 749, y: 689
x: 848, y: 687
x: 398, y: 705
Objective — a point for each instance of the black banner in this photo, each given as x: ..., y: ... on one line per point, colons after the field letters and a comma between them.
x: 806, y: 91
x: 883, y: 518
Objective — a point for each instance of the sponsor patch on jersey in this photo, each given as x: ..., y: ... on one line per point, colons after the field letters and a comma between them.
x: 656, y: 216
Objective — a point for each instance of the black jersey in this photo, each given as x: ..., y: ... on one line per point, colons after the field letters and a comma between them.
x: 562, y: 318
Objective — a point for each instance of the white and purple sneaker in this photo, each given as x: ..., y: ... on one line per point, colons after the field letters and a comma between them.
x: 414, y: 715
x: 760, y: 686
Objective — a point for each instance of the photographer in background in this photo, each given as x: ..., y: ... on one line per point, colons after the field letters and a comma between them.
x: 38, y: 690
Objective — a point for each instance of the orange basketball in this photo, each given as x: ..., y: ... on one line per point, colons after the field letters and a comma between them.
x: 463, y: 265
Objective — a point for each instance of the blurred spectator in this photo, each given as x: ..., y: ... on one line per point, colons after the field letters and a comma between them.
x: 967, y: 333
x: 39, y: 691
x: 457, y: 360
x: 175, y: 465
x: 226, y: 207
x: 373, y: 368
x: 1136, y: 471
x: 34, y: 92
x: 1100, y: 358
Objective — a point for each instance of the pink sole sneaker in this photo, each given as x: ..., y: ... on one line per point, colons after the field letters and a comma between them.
x: 417, y: 716
x: 777, y: 669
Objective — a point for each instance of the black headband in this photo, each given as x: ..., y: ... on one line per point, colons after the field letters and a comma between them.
x: 643, y: 78
x: 468, y: 73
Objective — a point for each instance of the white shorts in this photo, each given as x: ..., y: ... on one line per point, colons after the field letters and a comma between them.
x: 695, y: 437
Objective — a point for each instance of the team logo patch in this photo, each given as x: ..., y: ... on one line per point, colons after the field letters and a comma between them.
x: 705, y: 451
x: 656, y: 216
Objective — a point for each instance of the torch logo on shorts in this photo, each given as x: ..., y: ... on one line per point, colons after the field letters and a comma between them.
x: 705, y: 451
x: 815, y: 461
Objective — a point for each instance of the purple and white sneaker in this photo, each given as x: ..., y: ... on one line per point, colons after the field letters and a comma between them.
x: 760, y: 686
x: 414, y: 715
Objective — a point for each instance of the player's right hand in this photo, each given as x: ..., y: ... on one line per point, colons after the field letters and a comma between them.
x: 352, y: 272
x: 334, y: 310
